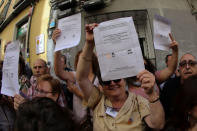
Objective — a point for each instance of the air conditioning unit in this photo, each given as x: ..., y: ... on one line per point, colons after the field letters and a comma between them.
x: 66, y: 4
x: 65, y: 13
x: 93, y: 4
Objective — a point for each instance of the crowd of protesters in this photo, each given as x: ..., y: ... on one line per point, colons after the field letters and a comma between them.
x: 163, y: 100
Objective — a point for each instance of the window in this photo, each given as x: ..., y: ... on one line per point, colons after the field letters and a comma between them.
x: 21, y: 34
x: 4, y: 12
x: 1, y: 3
x: 17, y: 2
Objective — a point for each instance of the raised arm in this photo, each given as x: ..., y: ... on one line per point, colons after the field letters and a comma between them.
x: 156, y: 119
x: 84, y: 63
x: 165, y: 73
x: 59, y: 64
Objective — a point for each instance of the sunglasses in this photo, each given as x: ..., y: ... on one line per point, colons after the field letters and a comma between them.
x: 109, y: 82
x: 185, y: 63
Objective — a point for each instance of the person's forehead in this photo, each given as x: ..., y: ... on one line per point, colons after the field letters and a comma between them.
x: 187, y: 57
x: 169, y: 57
x: 39, y: 63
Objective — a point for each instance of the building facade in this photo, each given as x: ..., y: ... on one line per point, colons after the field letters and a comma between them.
x: 41, y: 17
x: 181, y: 13
x: 25, y: 21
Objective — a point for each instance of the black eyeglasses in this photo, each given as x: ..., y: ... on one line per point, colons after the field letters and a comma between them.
x: 109, y: 82
x: 185, y: 63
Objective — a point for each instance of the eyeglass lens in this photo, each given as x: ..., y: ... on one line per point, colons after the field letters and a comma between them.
x: 190, y: 63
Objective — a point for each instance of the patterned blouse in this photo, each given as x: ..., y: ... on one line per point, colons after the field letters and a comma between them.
x: 24, y: 83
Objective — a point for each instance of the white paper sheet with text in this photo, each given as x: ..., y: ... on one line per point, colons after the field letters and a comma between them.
x: 162, y: 29
x: 70, y: 32
x: 40, y: 44
x: 10, y: 85
x: 118, y: 49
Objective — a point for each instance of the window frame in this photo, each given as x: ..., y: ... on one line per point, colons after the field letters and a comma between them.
x: 21, y: 22
x: 1, y: 3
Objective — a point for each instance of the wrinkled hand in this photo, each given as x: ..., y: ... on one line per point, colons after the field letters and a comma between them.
x: 147, y: 80
x: 18, y: 99
x: 89, y: 32
x: 56, y: 34
x: 173, y: 44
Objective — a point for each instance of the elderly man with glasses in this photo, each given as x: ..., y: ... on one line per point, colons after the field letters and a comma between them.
x: 187, y: 68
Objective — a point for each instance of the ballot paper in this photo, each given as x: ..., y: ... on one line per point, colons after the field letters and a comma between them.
x: 162, y: 29
x: 118, y: 49
x: 10, y: 85
x: 70, y: 32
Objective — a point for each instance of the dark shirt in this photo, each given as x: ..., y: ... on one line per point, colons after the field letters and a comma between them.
x: 69, y: 96
x: 168, y: 95
x: 29, y: 72
x: 7, y: 117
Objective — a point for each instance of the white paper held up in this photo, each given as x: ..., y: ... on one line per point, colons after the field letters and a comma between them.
x: 118, y: 49
x: 162, y: 29
x: 10, y: 85
x: 70, y: 32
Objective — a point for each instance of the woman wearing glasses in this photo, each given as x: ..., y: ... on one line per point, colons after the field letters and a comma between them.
x: 47, y: 87
x: 115, y: 108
